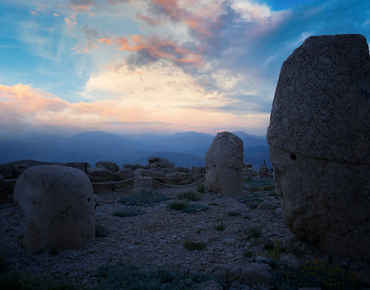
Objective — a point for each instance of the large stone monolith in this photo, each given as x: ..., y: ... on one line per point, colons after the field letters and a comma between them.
x: 58, y: 202
x: 319, y: 138
x: 224, y: 164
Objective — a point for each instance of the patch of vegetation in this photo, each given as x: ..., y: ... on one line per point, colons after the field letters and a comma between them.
x: 252, y: 200
x: 253, y: 231
x: 201, y: 188
x: 254, y: 188
x: 234, y: 213
x: 274, y: 251
x: 272, y: 194
x: 122, y: 276
x: 247, y: 253
x: 191, y: 246
x: 220, y: 226
x: 194, y: 208
x: 247, y: 179
x: 213, y: 203
x: 16, y: 280
x: 178, y: 204
x: 101, y: 231
x: 129, y: 211
x: 269, y: 188
x: 315, y: 274
x: 143, y: 198
x: 189, y: 195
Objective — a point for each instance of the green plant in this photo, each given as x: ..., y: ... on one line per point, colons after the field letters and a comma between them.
x: 53, y: 252
x: 220, y: 226
x: 129, y: 211
x: 101, y: 231
x: 16, y: 280
x: 247, y: 253
x: 189, y: 195
x: 253, y: 231
x: 274, y: 251
x: 201, y: 188
x: 234, y: 213
x: 269, y: 188
x: 128, y: 277
x: 213, y: 203
x: 255, y: 188
x: 189, y: 245
x: 143, y: 198
x: 247, y: 179
x: 316, y: 273
x: 272, y: 194
x: 252, y: 200
x: 194, y: 208
x: 178, y: 204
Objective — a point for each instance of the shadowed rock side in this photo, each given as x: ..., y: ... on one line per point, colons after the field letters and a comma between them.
x: 319, y: 138
x: 58, y: 202
x: 224, y: 164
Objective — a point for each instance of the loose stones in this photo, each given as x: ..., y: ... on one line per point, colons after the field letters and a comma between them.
x: 319, y: 143
x: 58, y: 202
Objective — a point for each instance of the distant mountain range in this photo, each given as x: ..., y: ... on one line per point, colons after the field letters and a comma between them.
x: 185, y: 149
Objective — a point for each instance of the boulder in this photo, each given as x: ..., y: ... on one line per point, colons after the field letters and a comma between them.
x: 179, y: 178
x: 99, y: 174
x: 157, y: 173
x: 161, y: 162
x: 133, y: 167
x: 255, y: 273
x: 58, y: 202
x: 19, y: 168
x: 79, y: 165
x: 6, y: 171
x: 181, y: 169
x: 111, y: 166
x: 198, y: 170
x: 319, y: 143
x: 224, y: 164
x: 123, y: 174
x: 3, y: 192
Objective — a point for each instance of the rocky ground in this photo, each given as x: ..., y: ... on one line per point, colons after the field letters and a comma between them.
x: 156, y: 239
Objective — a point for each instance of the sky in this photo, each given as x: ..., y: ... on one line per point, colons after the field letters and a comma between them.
x: 154, y: 66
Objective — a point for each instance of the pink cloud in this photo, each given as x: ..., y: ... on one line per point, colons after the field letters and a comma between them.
x: 70, y: 23
x: 34, y: 13
x: 56, y: 14
x: 156, y: 48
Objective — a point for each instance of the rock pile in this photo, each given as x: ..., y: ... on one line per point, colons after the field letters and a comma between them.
x: 319, y: 143
x: 224, y: 164
x: 58, y: 203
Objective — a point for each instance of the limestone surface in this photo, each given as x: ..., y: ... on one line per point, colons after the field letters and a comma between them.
x: 319, y: 138
x: 224, y: 164
x: 58, y: 203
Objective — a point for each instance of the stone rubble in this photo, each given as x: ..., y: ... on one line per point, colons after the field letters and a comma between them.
x: 156, y: 239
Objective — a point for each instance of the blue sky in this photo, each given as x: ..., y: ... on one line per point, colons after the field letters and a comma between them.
x: 159, y: 66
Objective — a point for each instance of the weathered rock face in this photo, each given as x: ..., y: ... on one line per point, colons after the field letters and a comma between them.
x: 161, y: 162
x: 19, y: 168
x: 99, y: 174
x: 58, y: 202
x: 79, y: 165
x: 111, y: 166
x: 224, y: 164
x: 319, y: 143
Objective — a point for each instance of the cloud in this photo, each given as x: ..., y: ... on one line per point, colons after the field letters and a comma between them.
x: 34, y: 13
x: 70, y: 23
x: 56, y: 14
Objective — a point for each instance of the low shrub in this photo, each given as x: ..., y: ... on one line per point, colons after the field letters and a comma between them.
x: 191, y: 246
x: 143, y: 198
x: 201, y: 188
x: 234, y: 213
x: 101, y: 231
x: 220, y: 226
x: 194, y: 208
x: 53, y: 252
x: 178, y: 204
x: 274, y: 251
x: 253, y: 231
x: 317, y: 274
x: 122, y: 276
x: 16, y: 280
x: 213, y: 203
x: 252, y: 200
x: 129, y: 211
x: 255, y: 188
x: 189, y: 195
